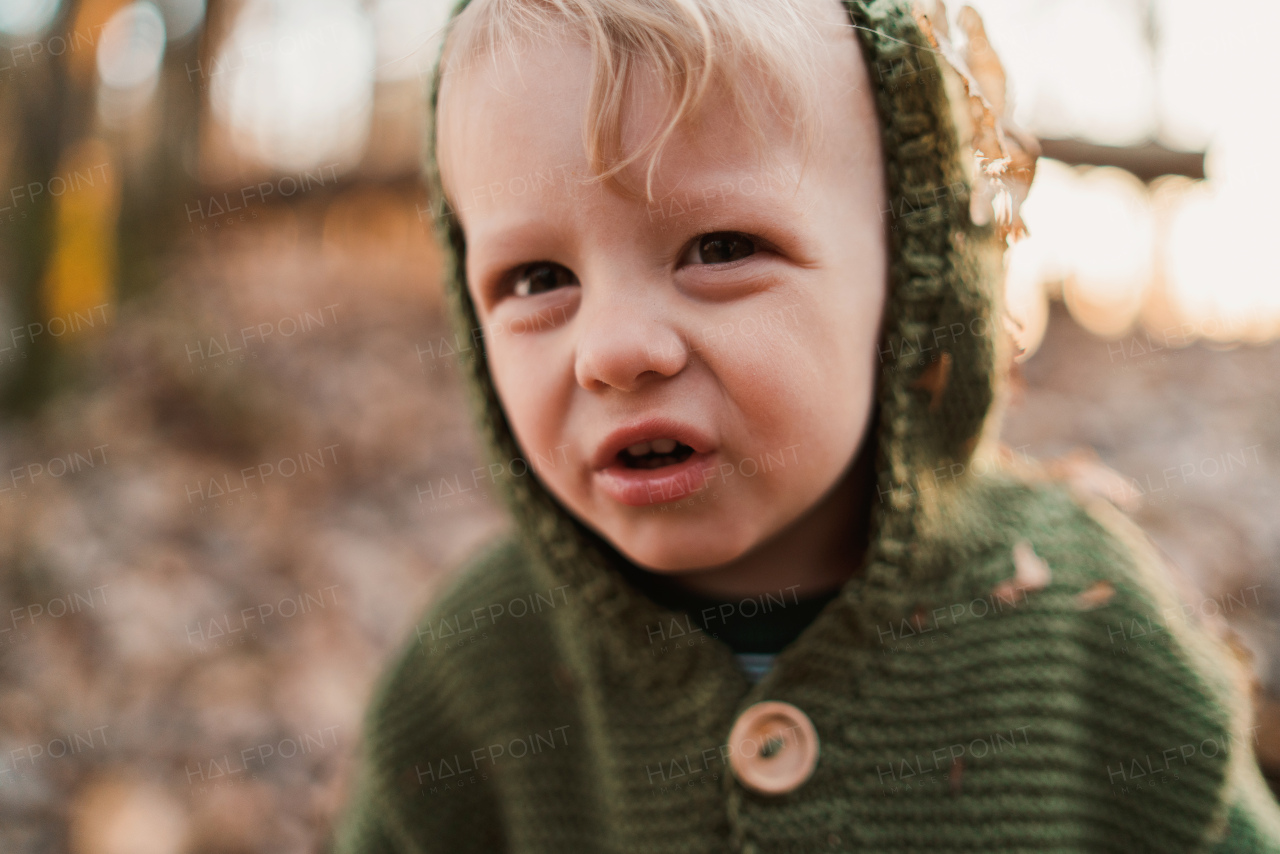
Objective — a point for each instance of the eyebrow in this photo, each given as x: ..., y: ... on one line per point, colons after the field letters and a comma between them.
x: 747, y: 185
x: 491, y: 243
x: 751, y: 201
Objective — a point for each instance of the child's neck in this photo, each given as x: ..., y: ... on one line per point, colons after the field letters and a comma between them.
x: 817, y: 553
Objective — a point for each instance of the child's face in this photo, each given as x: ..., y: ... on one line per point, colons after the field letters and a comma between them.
x: 737, y: 315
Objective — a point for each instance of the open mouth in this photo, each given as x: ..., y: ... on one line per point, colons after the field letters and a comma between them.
x: 654, y: 454
x: 644, y: 464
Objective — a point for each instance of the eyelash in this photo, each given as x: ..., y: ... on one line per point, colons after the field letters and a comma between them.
x: 511, y: 280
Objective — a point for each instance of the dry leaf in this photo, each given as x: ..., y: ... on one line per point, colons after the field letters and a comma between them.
x: 1096, y: 596
x: 933, y: 379
x: 1005, y: 155
x: 956, y: 775
x: 919, y: 617
x: 1006, y: 592
x: 1088, y: 476
x: 1242, y: 652
x: 1030, y: 573
x: 982, y: 60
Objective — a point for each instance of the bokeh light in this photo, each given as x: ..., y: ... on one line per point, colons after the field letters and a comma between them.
x: 130, y: 49
x: 181, y: 17
x: 1075, y: 65
x: 294, y: 82
x: 25, y: 18
x: 1127, y: 74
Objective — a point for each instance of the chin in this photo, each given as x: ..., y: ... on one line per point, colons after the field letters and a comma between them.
x: 672, y: 552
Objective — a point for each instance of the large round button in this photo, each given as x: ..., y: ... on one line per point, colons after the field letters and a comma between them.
x: 773, y: 748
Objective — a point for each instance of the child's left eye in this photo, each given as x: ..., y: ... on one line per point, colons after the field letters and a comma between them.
x: 720, y: 247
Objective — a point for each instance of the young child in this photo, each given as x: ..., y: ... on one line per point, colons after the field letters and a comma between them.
x: 771, y: 586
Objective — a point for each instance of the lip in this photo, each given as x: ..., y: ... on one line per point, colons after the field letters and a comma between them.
x: 643, y: 487
x: 650, y: 428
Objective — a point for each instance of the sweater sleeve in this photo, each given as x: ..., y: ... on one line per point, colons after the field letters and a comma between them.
x: 1250, y: 815
x: 1253, y: 817
x: 412, y: 793
x: 409, y: 731
x: 361, y: 828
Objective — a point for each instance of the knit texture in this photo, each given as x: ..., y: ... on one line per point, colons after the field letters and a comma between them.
x: 546, y: 705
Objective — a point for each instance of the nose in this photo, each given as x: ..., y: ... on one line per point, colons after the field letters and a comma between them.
x: 625, y: 342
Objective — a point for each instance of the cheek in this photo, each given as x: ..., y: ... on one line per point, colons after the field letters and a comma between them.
x: 527, y: 391
x: 804, y: 391
x: 804, y: 368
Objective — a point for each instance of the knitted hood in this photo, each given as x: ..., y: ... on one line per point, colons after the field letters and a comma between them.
x: 942, y: 341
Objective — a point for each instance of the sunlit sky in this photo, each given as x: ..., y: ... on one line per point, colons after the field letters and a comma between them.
x: 296, y: 80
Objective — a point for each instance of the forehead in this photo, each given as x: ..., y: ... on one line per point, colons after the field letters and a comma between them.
x: 511, y: 127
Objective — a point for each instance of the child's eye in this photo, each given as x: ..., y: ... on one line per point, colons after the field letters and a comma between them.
x: 540, y: 277
x: 720, y: 247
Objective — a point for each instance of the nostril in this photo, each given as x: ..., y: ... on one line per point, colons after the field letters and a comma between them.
x: 625, y: 355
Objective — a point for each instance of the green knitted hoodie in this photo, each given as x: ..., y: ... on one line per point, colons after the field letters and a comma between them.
x: 961, y: 703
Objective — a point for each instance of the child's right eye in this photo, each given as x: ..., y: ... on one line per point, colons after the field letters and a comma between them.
x: 540, y: 277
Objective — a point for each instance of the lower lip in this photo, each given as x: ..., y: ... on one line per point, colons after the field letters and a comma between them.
x: 643, y: 487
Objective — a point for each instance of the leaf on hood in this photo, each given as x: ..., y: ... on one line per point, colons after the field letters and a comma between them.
x: 981, y: 60
x: 1005, y: 155
x: 1030, y: 573
x: 1097, y: 595
x: 1088, y: 476
x: 1242, y: 653
x: 933, y: 379
x: 919, y: 617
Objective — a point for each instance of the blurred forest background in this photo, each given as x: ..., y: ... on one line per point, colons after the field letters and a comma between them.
x: 215, y: 259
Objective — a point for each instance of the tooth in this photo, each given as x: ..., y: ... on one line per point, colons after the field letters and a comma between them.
x: 639, y: 449
x: 663, y: 446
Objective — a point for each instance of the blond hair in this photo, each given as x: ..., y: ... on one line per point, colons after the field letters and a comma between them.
x: 693, y: 45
